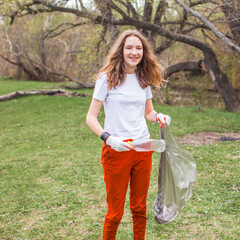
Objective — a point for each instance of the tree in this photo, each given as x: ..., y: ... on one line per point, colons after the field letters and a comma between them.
x: 233, y: 22
x: 231, y: 10
x: 54, y: 50
x: 153, y: 24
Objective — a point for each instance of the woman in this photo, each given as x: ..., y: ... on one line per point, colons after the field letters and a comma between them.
x: 123, y: 86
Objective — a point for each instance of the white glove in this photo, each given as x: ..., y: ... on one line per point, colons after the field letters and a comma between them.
x: 163, y: 119
x: 118, y: 144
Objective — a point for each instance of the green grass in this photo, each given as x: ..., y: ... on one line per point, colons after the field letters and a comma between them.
x: 51, y: 178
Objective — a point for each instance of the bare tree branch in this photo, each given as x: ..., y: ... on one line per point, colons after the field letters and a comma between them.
x: 184, y: 66
x: 163, y: 47
x: 26, y: 9
x: 212, y: 11
x: 118, y: 9
x: 82, y: 6
x: 161, y: 8
x: 51, y: 34
x: 197, y: 26
x: 129, y: 7
x: 32, y: 74
x: 20, y: 64
x: 217, y: 33
x: 206, y: 36
x: 147, y: 15
x: 231, y: 10
x: 132, y: 9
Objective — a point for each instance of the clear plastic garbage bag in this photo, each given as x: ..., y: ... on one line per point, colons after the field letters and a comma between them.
x: 177, y: 172
x: 143, y: 145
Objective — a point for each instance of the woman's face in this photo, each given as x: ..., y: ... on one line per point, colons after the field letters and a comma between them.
x: 132, y: 53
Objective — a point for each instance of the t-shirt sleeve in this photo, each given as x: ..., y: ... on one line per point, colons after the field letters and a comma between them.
x: 148, y: 93
x: 101, y: 90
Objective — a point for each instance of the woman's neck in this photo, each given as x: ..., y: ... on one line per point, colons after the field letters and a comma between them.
x: 129, y: 70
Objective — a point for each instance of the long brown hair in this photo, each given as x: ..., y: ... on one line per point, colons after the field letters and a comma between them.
x: 148, y: 71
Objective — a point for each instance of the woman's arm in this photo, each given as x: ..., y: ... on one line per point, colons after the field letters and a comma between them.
x: 150, y: 113
x: 92, y: 115
x: 116, y: 143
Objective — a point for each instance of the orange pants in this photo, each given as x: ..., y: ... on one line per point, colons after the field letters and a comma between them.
x: 118, y: 169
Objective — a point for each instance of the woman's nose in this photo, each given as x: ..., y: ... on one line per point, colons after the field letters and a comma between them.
x: 134, y: 51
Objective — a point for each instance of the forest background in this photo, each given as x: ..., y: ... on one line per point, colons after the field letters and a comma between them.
x: 197, y: 42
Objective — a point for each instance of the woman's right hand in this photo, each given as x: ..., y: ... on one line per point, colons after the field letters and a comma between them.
x: 118, y: 144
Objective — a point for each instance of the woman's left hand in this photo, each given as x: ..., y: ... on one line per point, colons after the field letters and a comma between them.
x: 163, y: 119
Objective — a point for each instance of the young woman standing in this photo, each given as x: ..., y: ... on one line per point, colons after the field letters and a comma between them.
x: 123, y: 86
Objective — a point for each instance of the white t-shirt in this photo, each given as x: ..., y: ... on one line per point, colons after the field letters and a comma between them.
x: 124, y: 107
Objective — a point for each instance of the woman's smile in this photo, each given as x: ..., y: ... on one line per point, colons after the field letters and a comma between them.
x: 134, y: 58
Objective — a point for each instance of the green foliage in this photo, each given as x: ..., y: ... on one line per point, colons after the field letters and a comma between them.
x: 51, y: 178
x: 90, y: 59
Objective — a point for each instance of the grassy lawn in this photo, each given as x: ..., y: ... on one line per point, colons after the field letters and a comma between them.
x: 51, y: 177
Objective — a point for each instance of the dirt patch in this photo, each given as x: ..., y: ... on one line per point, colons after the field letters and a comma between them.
x: 205, y: 138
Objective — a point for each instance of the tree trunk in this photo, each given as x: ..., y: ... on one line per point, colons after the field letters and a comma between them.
x: 18, y: 59
x: 29, y: 72
x: 221, y: 81
x: 35, y: 72
x: 43, y: 56
x: 147, y: 15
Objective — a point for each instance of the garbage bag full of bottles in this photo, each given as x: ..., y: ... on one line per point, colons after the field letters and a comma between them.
x: 177, y: 172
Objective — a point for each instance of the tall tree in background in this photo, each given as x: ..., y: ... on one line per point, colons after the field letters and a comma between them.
x: 154, y: 21
x: 231, y: 9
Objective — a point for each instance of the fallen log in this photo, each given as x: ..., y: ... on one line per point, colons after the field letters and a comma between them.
x: 79, y: 85
x: 53, y: 92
